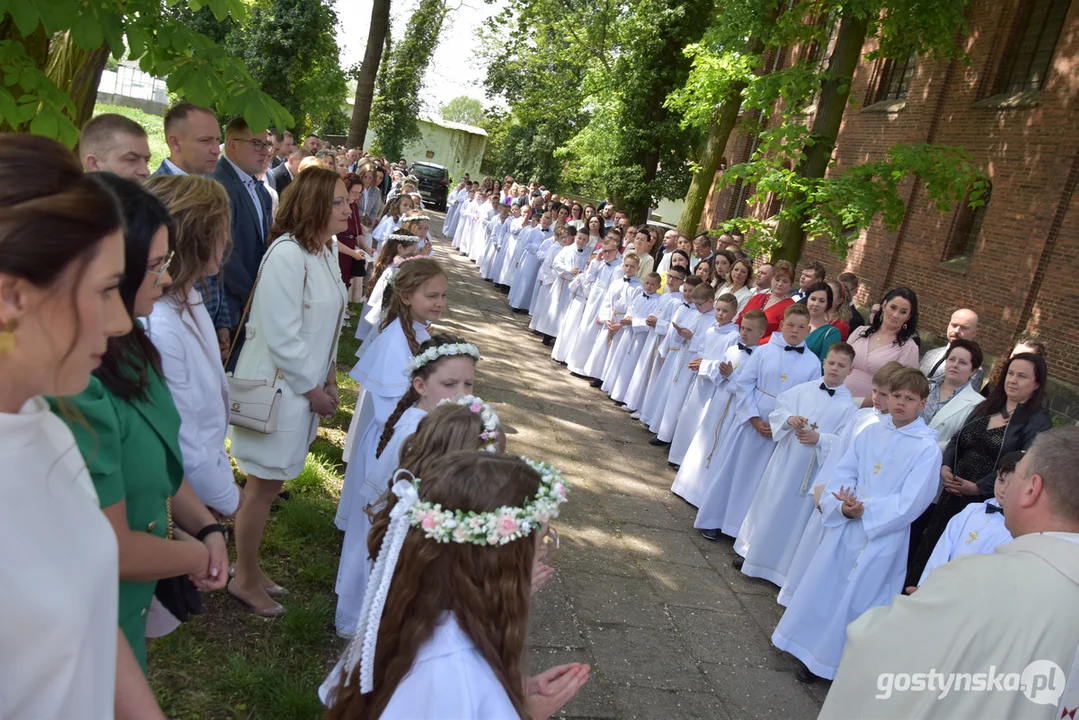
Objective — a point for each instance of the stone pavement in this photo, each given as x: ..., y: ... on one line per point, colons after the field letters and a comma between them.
x: 671, y: 630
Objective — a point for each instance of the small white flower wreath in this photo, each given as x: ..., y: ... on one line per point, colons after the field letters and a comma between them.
x: 491, y: 423
x: 414, y: 217
x: 433, y: 353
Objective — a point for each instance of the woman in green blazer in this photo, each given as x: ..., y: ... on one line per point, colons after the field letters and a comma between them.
x: 127, y: 429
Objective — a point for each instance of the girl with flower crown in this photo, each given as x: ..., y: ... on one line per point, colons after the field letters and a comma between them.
x: 418, y: 299
x: 396, y: 248
x: 443, y: 369
x: 444, y: 624
x: 391, y: 217
x: 418, y: 224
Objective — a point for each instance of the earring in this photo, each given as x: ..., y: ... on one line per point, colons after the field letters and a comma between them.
x: 904, y: 326
x: 7, y: 337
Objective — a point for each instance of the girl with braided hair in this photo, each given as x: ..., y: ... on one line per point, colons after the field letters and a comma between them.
x: 417, y: 300
x: 396, y: 248
x: 444, y: 368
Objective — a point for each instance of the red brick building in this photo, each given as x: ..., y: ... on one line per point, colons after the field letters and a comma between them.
x: 1015, y: 109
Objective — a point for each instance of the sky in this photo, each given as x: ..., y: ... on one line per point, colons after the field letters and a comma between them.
x: 454, y: 69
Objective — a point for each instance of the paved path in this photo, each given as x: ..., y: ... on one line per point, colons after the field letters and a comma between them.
x: 671, y: 630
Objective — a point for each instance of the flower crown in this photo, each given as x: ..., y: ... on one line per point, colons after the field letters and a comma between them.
x: 407, y: 239
x: 414, y: 217
x: 434, y: 353
x: 487, y: 414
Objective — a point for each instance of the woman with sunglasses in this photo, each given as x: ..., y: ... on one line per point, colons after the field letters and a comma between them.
x: 127, y: 429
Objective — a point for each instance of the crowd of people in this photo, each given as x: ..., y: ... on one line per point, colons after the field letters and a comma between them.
x: 157, y: 328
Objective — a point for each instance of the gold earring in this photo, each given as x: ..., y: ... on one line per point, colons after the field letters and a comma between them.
x: 7, y: 337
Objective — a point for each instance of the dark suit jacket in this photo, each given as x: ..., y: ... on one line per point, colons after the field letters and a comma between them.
x: 248, y: 238
x: 281, y: 178
x: 1019, y: 434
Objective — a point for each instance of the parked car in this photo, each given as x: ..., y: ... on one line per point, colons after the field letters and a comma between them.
x: 434, y: 183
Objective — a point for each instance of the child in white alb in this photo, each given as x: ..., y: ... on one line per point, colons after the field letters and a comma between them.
x: 630, y: 341
x: 635, y: 378
x: 619, y: 296
x: 587, y: 330
x: 570, y: 262
x: 579, y: 289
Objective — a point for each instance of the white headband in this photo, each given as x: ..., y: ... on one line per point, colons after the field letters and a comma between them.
x: 434, y: 353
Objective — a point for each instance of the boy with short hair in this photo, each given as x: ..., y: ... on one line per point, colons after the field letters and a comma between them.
x: 690, y: 482
x: 637, y: 386
x: 630, y: 341
x: 780, y: 364
x: 546, y: 279
x: 781, y: 508
x: 607, y: 269
x: 652, y: 388
x: 882, y: 484
x: 616, y: 301
x: 568, y: 264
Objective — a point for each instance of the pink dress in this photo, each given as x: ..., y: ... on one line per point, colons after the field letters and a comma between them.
x: 866, y: 364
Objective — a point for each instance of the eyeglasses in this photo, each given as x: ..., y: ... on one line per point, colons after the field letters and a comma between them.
x: 160, y: 272
x: 258, y: 145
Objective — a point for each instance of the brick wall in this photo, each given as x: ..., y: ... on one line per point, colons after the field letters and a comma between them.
x: 1023, y: 273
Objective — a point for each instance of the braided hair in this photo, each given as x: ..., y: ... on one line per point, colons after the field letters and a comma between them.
x: 388, y: 251
x: 412, y: 275
x: 412, y: 397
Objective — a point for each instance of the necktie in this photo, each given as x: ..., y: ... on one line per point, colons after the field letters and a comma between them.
x: 746, y: 350
x: 827, y: 389
x: 990, y: 509
x: 800, y: 349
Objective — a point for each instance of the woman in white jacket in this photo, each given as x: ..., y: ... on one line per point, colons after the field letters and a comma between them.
x: 292, y: 333
x: 181, y: 329
x: 952, y: 399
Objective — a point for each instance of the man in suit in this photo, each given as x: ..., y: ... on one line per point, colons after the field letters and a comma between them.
x: 812, y: 273
x: 963, y: 324
x: 194, y: 139
x: 237, y: 170
x: 283, y: 145
x: 311, y: 144
x: 286, y: 171
x: 116, y: 144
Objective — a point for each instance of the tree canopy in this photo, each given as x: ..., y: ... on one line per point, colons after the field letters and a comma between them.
x: 463, y: 109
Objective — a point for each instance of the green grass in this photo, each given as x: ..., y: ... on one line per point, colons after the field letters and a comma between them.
x: 153, y: 124
x: 228, y: 663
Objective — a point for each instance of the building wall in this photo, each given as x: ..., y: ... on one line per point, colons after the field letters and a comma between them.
x: 1023, y: 275
x: 457, y: 150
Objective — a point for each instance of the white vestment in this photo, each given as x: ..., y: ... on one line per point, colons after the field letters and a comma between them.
x: 548, y: 249
x: 671, y: 350
x: 738, y: 465
x: 578, y: 290
x: 372, y: 309
x: 504, y: 248
x: 780, y: 510
x: 717, y: 340
x: 707, y: 338
x: 861, y: 562
x: 527, y: 261
x: 545, y: 281
x: 515, y: 233
x: 464, y: 222
x: 587, y: 329
x: 630, y: 343
x: 650, y: 362
x: 976, y: 530
x: 616, y: 301
x: 569, y: 259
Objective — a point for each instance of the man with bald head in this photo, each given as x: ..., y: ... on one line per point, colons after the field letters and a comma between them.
x: 963, y: 324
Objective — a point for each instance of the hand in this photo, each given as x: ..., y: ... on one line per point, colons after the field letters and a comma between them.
x: 217, y: 572
x: 599, y: 321
x: 725, y: 369
x: 763, y: 429
x: 807, y: 436
x: 223, y: 342
x: 201, y: 572
x: 910, y: 589
x: 574, y: 271
x: 694, y: 365
x: 685, y: 333
x: 797, y: 421
x: 852, y: 507
x: 946, y: 474
x: 334, y: 393
x: 959, y: 486
x: 321, y: 403
x: 549, y: 691
x: 651, y: 321
x: 541, y: 574
x: 627, y: 321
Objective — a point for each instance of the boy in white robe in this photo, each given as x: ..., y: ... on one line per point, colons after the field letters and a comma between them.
x: 490, y: 253
x: 524, y: 279
x: 781, y: 509
x: 579, y: 288
x: 690, y: 482
x: 711, y: 342
x: 547, y: 279
x: 979, y: 527
x: 882, y: 484
x: 629, y: 341
x: 657, y: 323
x: 504, y: 244
x: 468, y: 219
x: 518, y: 227
x: 620, y: 295
x: 548, y: 240
x: 568, y: 264
x: 782, y: 363
x: 840, y: 444
x: 587, y: 329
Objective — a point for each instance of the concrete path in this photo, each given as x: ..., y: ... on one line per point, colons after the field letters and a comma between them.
x: 671, y: 630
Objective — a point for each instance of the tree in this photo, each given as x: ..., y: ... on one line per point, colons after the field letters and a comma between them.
x: 463, y: 109
x: 397, y: 104
x: 52, y: 53
x: 377, y: 36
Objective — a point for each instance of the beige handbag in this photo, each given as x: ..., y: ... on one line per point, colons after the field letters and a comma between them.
x: 254, y: 404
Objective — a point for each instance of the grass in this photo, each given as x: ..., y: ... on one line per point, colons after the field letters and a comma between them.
x: 228, y: 663
x: 153, y: 124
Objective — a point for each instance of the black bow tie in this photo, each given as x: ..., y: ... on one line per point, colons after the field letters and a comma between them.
x: 626, y: 278
x: 800, y: 349
x: 580, y: 249
x: 685, y: 304
x: 746, y: 350
x: 990, y: 509
x: 827, y: 389
x: 647, y: 296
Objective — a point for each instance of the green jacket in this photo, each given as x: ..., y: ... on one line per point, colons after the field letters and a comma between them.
x: 132, y: 451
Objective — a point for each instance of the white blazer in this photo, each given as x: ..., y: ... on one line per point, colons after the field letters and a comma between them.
x: 953, y: 414
x: 191, y: 361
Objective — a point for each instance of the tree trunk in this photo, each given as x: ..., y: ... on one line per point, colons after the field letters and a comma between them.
x: 365, y: 84
x: 719, y: 132
x: 830, y: 108
x: 77, y: 73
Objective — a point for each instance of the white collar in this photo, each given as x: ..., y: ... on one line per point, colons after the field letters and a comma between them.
x: 244, y: 177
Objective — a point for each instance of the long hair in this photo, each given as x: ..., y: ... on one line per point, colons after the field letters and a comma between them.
x: 125, y: 369
x: 412, y: 397
x: 200, y: 216
x: 749, y: 273
x: 485, y: 587
x: 388, y: 251
x: 998, y: 397
x: 841, y: 308
x: 909, y: 327
x: 997, y: 371
x: 413, y: 274
x: 821, y: 286
x: 305, y: 209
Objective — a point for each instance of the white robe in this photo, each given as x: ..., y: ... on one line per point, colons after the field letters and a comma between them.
x: 384, y: 229
x: 548, y: 249
x: 355, y: 565
x: 383, y: 379
x: 671, y: 350
x: 631, y: 341
x: 835, y: 448
x: 744, y: 454
x: 587, y: 329
x: 713, y: 348
x: 504, y: 248
x: 1002, y: 611
x: 707, y: 337
x: 464, y: 222
x: 481, y: 232
x: 639, y: 384
x: 494, y: 242
x: 546, y: 279
x: 528, y: 262
x: 781, y: 509
x: 514, y: 235
x: 372, y: 309
x: 578, y: 290
x: 616, y: 301
x: 453, y: 214
x: 861, y: 562
x: 974, y: 531
x: 569, y: 259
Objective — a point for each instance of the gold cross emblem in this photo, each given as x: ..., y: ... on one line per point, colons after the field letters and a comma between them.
x: 973, y: 537
x: 877, y: 468
x: 783, y: 377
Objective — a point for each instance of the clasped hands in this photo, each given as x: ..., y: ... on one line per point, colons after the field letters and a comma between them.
x: 852, y: 507
x: 957, y: 485
x: 324, y: 400
x: 802, y: 430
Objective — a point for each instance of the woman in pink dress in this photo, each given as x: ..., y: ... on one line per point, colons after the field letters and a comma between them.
x: 889, y: 336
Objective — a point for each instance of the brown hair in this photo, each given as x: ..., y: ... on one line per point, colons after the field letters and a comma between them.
x: 305, y: 209
x: 691, y: 282
x: 841, y: 348
x: 912, y: 380
x: 98, y: 133
x: 702, y: 292
x: 796, y: 309
x: 409, y: 222
x: 883, y: 377
x: 729, y: 299
x: 392, y: 208
x: 841, y: 304
x: 413, y: 274
x: 388, y: 251
x: 485, y: 587
x: 782, y: 268
x: 200, y: 217
x: 755, y: 316
x: 412, y: 397
x: 997, y: 371
x: 351, y: 180
x: 749, y: 274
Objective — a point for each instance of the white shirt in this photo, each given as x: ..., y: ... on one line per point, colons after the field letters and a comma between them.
x: 59, y: 578
x: 249, y: 183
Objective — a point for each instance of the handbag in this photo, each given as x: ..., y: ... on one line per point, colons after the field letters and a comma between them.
x: 254, y: 404
x: 178, y: 594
